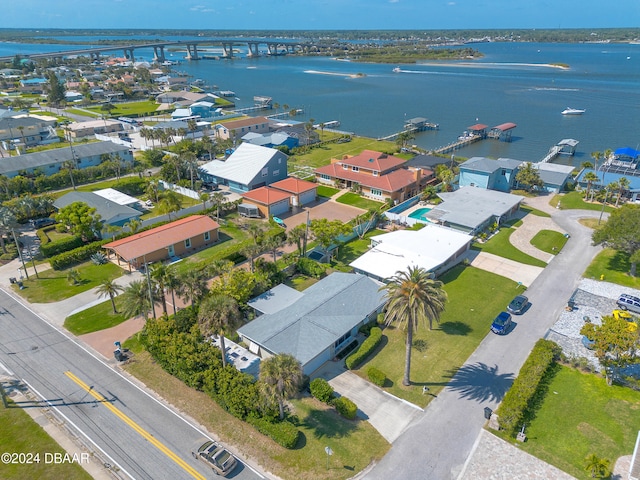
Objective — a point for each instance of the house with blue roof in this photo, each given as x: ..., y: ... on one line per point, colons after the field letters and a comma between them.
x: 607, y: 177
x: 317, y: 325
x: 490, y: 174
x: 271, y: 140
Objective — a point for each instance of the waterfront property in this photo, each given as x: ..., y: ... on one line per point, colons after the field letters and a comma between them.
x: 111, y: 212
x: 491, y: 174
x: 632, y: 192
x: 49, y: 162
x: 315, y: 327
x: 555, y: 177
x: 376, y: 175
x: 433, y: 248
x: 272, y: 140
x: 239, y: 128
x: 473, y: 210
x: 168, y: 241
x: 248, y: 167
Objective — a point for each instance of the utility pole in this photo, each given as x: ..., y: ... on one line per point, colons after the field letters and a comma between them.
x: 20, y: 253
x: 146, y: 270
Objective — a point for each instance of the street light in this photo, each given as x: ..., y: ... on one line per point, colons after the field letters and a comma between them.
x: 604, y: 202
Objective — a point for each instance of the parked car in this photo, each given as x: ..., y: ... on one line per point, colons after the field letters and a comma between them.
x: 42, y: 222
x: 518, y: 305
x: 629, y: 302
x: 501, y: 324
x: 216, y: 456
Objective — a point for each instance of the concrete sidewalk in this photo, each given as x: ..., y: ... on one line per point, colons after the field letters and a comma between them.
x: 518, y: 272
x: 389, y: 415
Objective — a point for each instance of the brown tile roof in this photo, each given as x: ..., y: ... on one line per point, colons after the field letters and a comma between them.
x: 372, y: 160
x: 266, y: 195
x: 245, y: 122
x: 294, y: 185
x: 161, y: 237
x: 391, y: 182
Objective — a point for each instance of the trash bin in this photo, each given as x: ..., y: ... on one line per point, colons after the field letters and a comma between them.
x: 487, y: 413
x: 12, y: 280
x: 119, y: 356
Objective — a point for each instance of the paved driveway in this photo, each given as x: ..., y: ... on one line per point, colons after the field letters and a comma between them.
x: 322, y: 208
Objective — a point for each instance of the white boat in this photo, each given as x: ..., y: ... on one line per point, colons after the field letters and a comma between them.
x: 573, y: 111
x: 396, y: 70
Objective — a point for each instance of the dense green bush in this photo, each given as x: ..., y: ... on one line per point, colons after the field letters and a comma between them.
x: 376, y: 376
x: 78, y: 255
x: 283, y: 433
x: 62, y: 245
x: 42, y: 234
x: 522, y: 394
x: 368, y: 346
x: 345, y: 407
x: 310, y: 267
x: 321, y: 390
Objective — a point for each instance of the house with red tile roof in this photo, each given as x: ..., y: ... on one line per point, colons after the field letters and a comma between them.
x: 375, y: 175
x: 175, y: 239
x: 302, y: 192
x: 270, y: 201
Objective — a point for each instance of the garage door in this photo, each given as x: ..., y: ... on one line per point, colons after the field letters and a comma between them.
x: 280, y: 207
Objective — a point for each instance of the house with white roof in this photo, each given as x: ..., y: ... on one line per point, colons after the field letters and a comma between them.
x: 433, y: 248
x: 317, y: 325
x: 247, y: 168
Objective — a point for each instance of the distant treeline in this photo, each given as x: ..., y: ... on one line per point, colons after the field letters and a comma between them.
x: 517, y: 35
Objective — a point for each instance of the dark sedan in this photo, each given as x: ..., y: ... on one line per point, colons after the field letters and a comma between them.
x: 518, y: 305
x: 501, y: 324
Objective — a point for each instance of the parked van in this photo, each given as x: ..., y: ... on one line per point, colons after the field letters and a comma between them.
x: 629, y: 302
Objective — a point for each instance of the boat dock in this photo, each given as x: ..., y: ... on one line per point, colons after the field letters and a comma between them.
x: 471, y: 135
x: 566, y: 146
x: 418, y: 124
x: 502, y: 131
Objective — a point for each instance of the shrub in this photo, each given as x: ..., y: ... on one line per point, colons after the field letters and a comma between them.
x: 310, y: 267
x: 345, y: 407
x: 368, y: 346
x: 321, y: 390
x: 59, y: 246
x: 99, y: 258
x: 522, y: 394
x: 283, y: 433
x: 376, y: 376
x: 78, y: 255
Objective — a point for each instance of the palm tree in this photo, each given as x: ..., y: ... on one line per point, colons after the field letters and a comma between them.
x: 296, y: 236
x: 193, y: 286
x: 204, y: 198
x: 280, y: 378
x: 110, y: 289
x: 256, y: 230
x: 208, y: 145
x: 153, y: 190
x: 623, y: 186
x: 158, y: 273
x: 133, y: 225
x: 218, y: 315
x: 135, y: 299
x: 193, y: 127
x: 73, y: 276
x: 251, y: 251
x: 172, y: 283
x: 272, y: 244
x: 170, y: 203
x: 217, y: 200
x: 7, y: 223
x: 590, y: 177
x: 413, y: 298
x: 70, y: 166
x: 596, y: 466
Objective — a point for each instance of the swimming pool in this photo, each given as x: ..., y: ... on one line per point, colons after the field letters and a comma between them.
x: 420, y: 213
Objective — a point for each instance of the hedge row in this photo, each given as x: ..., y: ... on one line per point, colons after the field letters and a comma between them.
x: 78, y: 255
x: 42, y: 234
x: 345, y: 407
x: 376, y: 376
x: 321, y: 390
x: 368, y: 346
x: 57, y: 247
x: 522, y: 393
x: 283, y: 433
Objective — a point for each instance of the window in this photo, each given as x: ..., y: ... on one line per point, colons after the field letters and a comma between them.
x: 346, y: 167
x: 276, y: 173
x: 187, y: 243
x: 265, y: 172
x: 207, y: 236
x: 504, y: 172
x: 342, y: 339
x: 355, y: 169
x: 376, y: 192
x: 376, y: 173
x: 324, y: 176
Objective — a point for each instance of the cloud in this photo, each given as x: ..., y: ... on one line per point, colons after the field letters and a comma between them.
x: 201, y: 8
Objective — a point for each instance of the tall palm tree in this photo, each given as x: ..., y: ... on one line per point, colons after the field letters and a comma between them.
x: 623, y: 186
x: 204, y: 198
x: 7, y: 222
x: 251, y: 251
x: 172, y: 283
x: 296, y: 235
x: 217, y: 199
x: 158, y: 273
x: 133, y: 225
x: 193, y: 286
x: 590, y: 177
x: 413, y: 298
x: 272, y: 244
x: 218, y: 315
x: 280, y: 378
x: 110, y: 289
x: 135, y: 299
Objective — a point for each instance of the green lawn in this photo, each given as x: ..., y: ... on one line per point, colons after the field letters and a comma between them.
x: 549, y: 241
x: 96, y: 318
x: 131, y: 108
x: 358, y: 201
x: 534, y: 211
x: 356, y: 247
x: 318, y: 157
x: 21, y: 434
x: 83, y: 113
x: 581, y: 415
x: 500, y: 245
x: 573, y: 200
x: 475, y: 298
x: 355, y: 443
x: 53, y: 286
x: 324, y: 191
x: 301, y: 282
x: 615, y: 267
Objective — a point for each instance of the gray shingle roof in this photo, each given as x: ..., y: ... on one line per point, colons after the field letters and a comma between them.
x: 325, y: 312
x: 486, y: 165
x: 109, y: 211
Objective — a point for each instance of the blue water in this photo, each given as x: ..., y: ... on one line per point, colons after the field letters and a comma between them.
x: 420, y: 214
x: 509, y: 84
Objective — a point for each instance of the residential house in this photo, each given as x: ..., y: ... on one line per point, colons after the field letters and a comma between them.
x: 302, y: 192
x: 90, y: 128
x: 181, y: 95
x: 172, y: 240
x: 473, y: 210
x: 111, y: 213
x: 248, y: 167
x: 271, y: 140
x: 429, y: 162
x: 317, y: 326
x: 632, y: 193
x: 235, y: 129
x: 33, y: 85
x: 376, y: 175
x: 270, y: 201
x: 30, y: 130
x: 433, y: 248
x: 49, y: 162
x: 554, y: 176
x: 483, y: 172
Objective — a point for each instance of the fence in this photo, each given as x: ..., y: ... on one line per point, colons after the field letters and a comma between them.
x: 187, y: 192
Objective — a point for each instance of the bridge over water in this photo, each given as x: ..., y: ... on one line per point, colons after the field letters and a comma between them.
x: 274, y: 47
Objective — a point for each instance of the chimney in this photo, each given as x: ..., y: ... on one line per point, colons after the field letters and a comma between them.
x: 417, y: 174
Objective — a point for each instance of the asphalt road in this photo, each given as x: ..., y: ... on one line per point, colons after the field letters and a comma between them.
x: 438, y: 444
x: 140, y: 436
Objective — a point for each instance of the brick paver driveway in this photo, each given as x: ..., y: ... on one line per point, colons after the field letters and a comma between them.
x: 322, y: 208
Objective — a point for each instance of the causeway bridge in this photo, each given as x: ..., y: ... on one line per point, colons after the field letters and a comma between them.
x: 273, y: 47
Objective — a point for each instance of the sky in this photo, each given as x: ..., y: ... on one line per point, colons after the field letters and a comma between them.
x: 319, y: 14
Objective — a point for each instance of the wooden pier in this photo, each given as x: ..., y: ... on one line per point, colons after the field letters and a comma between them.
x: 413, y: 125
x: 566, y: 146
x: 458, y: 144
